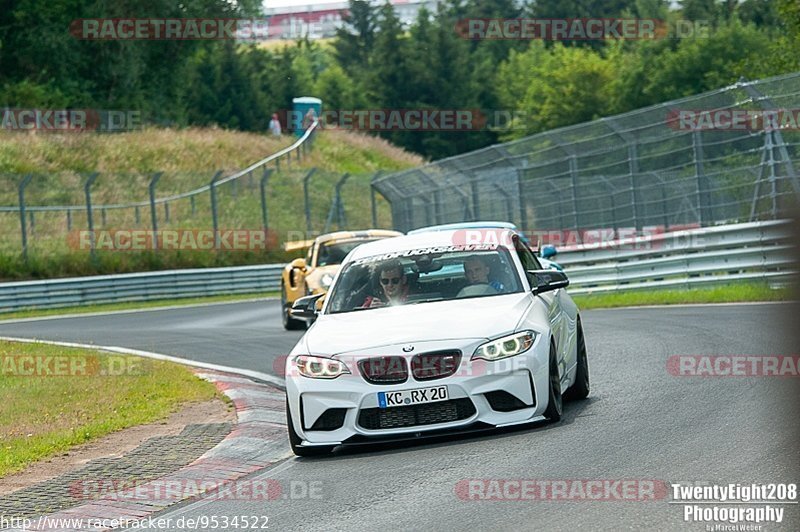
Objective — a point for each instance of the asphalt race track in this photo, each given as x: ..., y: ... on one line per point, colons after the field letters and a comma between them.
x: 639, y: 423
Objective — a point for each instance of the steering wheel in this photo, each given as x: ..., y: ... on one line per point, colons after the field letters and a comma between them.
x: 482, y: 289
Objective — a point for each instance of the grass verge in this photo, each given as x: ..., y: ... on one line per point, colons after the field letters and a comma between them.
x: 733, y: 293
x: 53, y: 398
x: 132, y: 305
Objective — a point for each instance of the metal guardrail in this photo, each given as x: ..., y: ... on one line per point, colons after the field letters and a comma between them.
x: 759, y: 251
x: 723, y: 254
x: 147, y: 286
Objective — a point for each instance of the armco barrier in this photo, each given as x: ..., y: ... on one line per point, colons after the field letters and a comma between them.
x: 713, y: 255
x: 146, y: 286
x: 737, y: 252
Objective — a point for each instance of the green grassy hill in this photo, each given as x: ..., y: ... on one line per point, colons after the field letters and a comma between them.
x: 188, y: 159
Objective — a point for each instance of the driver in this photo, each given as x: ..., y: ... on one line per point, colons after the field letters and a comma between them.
x: 476, y: 270
x: 394, y: 285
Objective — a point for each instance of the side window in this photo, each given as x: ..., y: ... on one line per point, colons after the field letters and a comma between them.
x: 528, y: 259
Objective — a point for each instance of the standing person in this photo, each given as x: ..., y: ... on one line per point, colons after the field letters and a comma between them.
x: 309, y: 119
x: 275, y: 125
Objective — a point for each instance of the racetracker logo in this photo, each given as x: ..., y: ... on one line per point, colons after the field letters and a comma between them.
x: 734, y: 119
x: 69, y: 366
x: 577, y: 29
x: 210, y: 488
x: 597, y: 490
x: 70, y: 120
x: 169, y: 29
x: 733, y: 365
x: 426, y: 365
x: 396, y: 119
x: 173, y: 240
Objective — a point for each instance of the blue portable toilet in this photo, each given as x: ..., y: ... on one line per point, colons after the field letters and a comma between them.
x: 300, y: 107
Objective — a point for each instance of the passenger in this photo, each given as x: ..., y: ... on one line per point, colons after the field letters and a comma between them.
x: 477, y: 272
x: 394, y: 285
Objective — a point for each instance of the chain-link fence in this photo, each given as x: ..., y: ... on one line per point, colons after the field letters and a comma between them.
x: 719, y: 157
x: 85, y: 222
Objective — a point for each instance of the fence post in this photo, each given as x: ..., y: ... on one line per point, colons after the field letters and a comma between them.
x: 137, y: 214
x: 153, y: 213
x: 767, y: 104
x: 573, y: 174
x: 214, y: 221
x: 612, y: 192
x: 103, y: 217
x: 341, y: 217
x: 193, y: 204
x: 88, y: 193
x: 306, y: 198
x: 663, y: 201
x: 372, y: 199
x: 523, y: 210
x: 703, y: 203
x: 476, y: 209
x: 23, y: 222
x: 264, y: 216
x: 633, y: 167
x: 166, y: 212
x: 69, y: 219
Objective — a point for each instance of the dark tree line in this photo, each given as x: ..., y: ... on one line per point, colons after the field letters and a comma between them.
x: 376, y: 63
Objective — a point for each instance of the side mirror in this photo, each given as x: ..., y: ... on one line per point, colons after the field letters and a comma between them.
x: 305, y: 308
x: 548, y: 251
x: 546, y: 280
x: 300, y: 264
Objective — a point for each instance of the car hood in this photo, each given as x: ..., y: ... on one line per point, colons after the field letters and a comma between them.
x: 484, y: 317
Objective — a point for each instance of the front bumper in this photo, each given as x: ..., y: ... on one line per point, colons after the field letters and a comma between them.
x: 481, y: 395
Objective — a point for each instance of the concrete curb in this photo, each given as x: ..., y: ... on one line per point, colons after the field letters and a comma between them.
x: 258, y: 440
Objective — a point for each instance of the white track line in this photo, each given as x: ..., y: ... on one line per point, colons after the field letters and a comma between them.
x: 133, y: 311
x: 275, y: 381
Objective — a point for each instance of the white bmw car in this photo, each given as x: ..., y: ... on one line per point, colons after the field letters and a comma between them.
x: 424, y: 335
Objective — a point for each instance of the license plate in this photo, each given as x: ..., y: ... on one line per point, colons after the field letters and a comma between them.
x: 412, y: 397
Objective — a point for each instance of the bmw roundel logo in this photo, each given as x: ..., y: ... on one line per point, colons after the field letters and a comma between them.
x: 408, y: 348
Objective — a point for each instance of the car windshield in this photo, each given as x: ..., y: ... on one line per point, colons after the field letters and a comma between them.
x: 420, y: 276
x: 335, y: 252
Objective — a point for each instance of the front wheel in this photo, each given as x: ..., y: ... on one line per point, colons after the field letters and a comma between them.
x: 295, y: 440
x: 555, y: 404
x: 289, y: 323
x: 580, y: 389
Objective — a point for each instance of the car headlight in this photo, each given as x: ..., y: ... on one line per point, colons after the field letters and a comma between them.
x: 319, y: 367
x: 505, y: 347
x: 326, y: 280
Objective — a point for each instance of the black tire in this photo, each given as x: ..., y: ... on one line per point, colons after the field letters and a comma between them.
x: 289, y: 323
x: 295, y: 440
x: 555, y: 403
x: 580, y: 388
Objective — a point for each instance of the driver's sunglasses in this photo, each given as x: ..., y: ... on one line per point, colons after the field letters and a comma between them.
x: 386, y: 280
